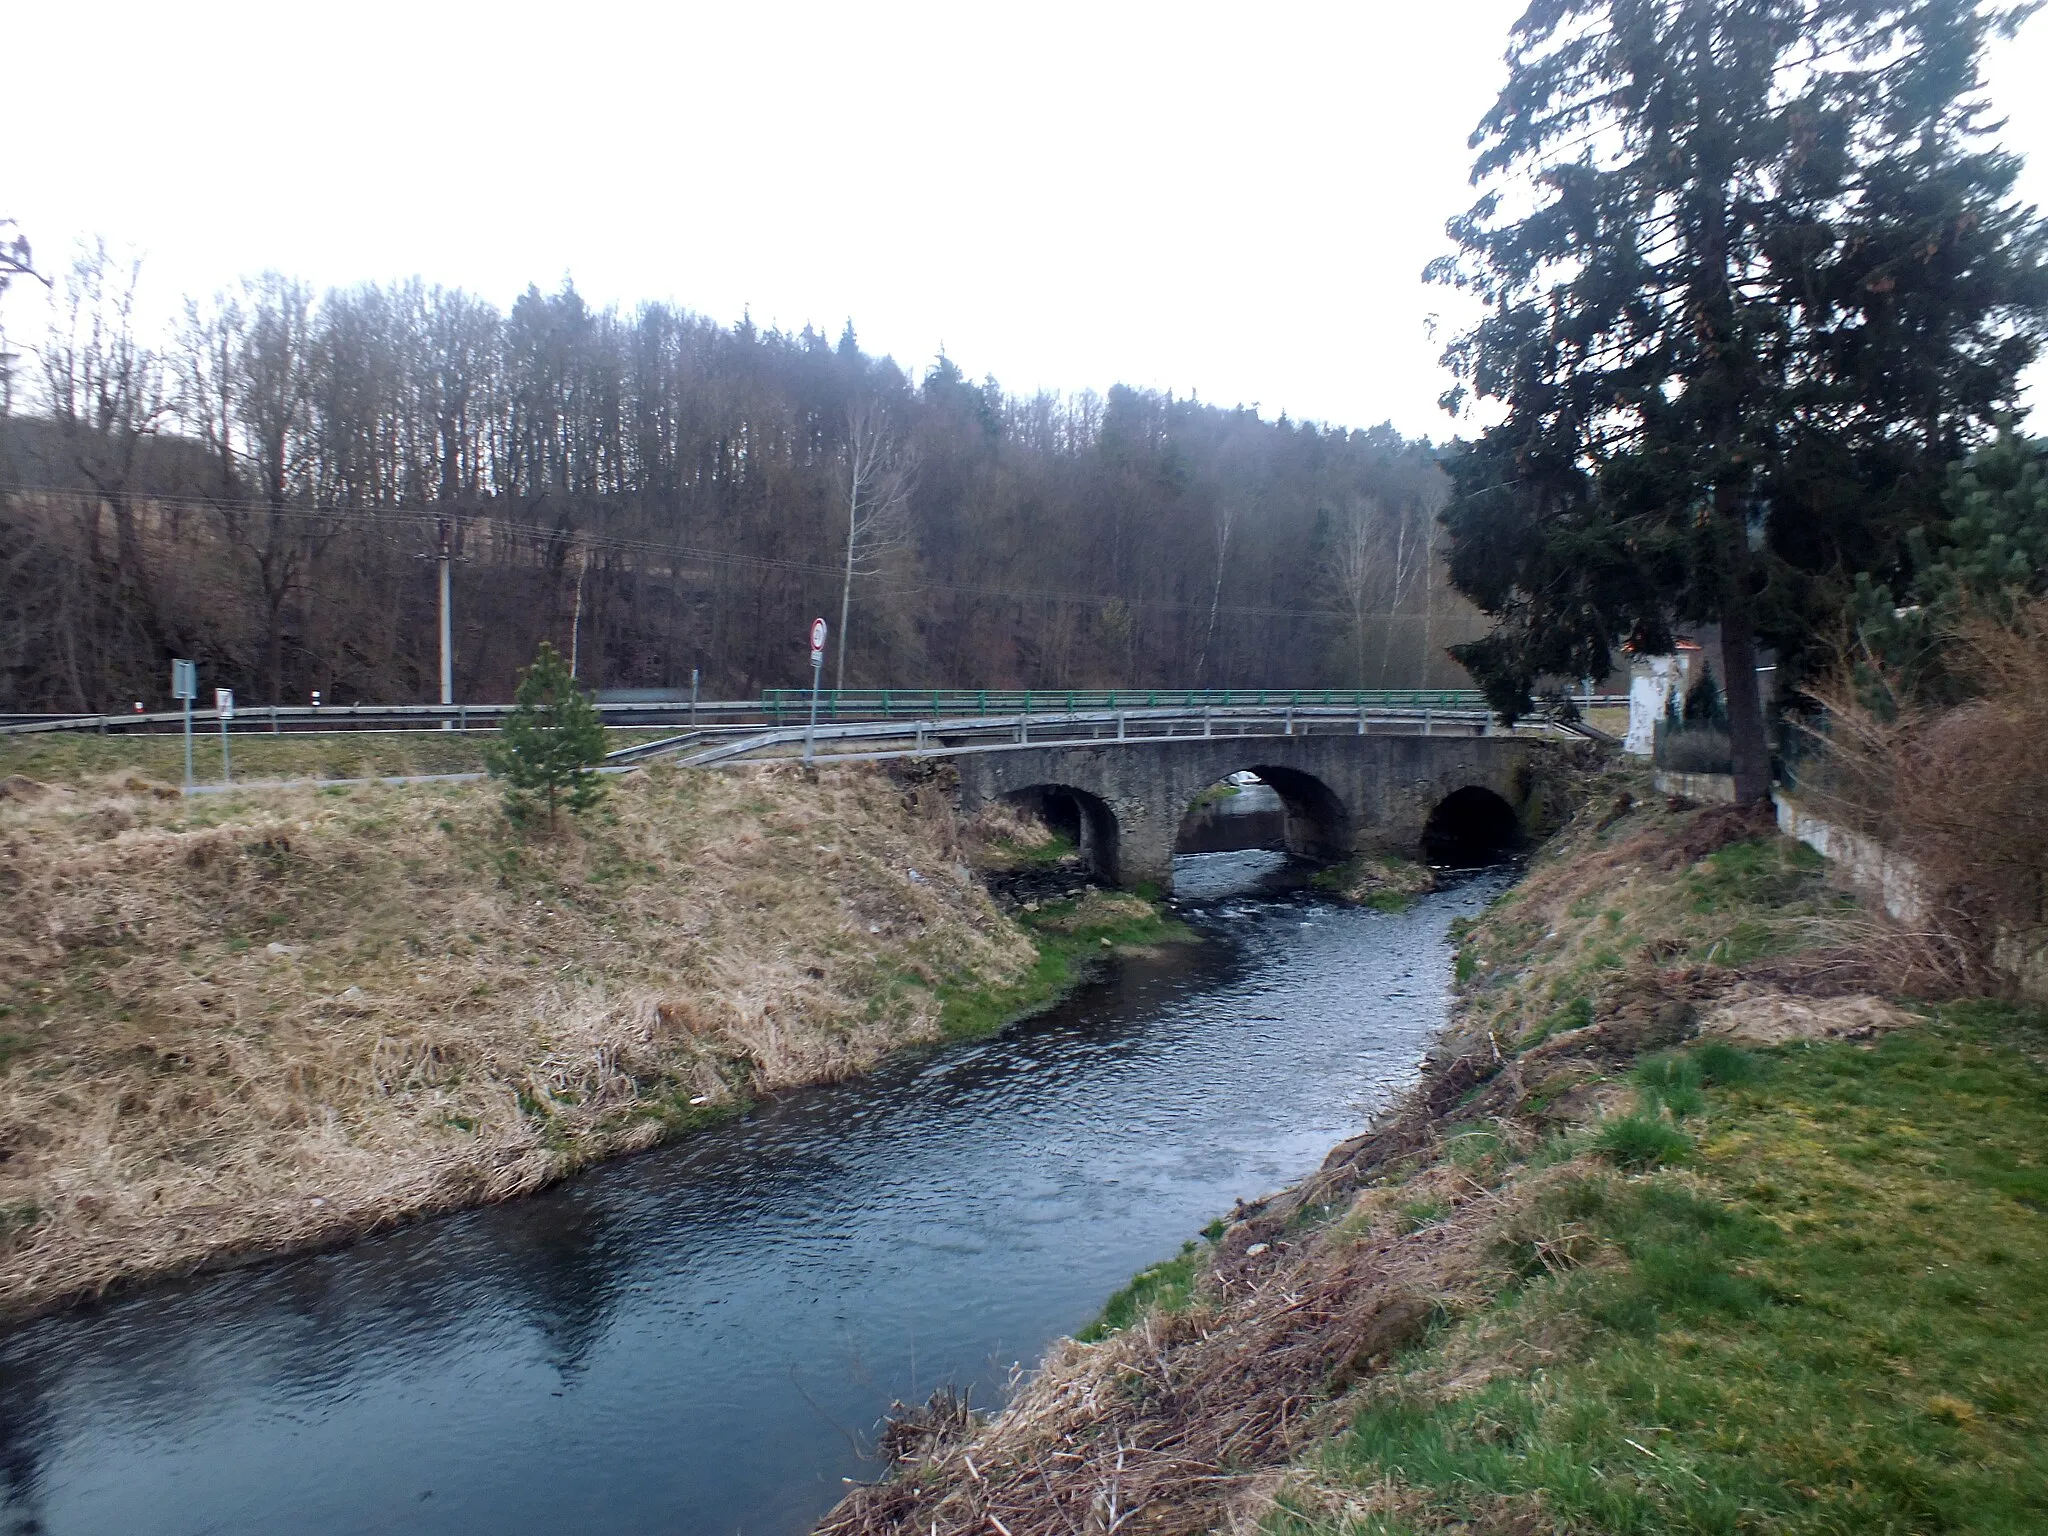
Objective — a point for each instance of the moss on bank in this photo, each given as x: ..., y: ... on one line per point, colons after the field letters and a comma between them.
x: 1378, y: 880
x: 1072, y: 938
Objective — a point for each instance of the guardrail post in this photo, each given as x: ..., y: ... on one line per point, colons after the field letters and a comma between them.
x: 1361, y: 717
x: 1119, y: 725
x: 1023, y: 729
x: 1208, y: 727
x: 1290, y: 721
x: 1425, y: 719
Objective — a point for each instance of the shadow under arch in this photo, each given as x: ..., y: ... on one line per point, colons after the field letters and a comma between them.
x: 1085, y: 819
x: 1314, y: 822
x: 1470, y: 828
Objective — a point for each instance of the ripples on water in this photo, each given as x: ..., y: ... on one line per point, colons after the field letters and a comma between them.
x: 701, y: 1339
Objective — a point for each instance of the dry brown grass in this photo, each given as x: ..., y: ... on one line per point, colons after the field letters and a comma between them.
x: 1171, y: 1425
x: 1962, y: 793
x: 264, y: 1021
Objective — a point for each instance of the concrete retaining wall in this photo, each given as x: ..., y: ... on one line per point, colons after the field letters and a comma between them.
x: 1707, y: 788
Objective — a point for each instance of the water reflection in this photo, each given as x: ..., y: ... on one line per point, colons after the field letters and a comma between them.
x: 697, y: 1340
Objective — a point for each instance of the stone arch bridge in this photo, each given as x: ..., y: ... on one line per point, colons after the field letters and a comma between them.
x: 1343, y: 793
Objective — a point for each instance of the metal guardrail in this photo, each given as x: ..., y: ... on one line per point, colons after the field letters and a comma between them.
x: 282, y: 718
x: 790, y: 708
x: 975, y: 733
x: 790, y: 705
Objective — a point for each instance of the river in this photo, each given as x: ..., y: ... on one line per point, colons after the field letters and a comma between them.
x: 703, y: 1338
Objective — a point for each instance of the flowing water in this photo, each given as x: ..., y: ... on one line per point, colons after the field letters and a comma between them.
x: 702, y: 1339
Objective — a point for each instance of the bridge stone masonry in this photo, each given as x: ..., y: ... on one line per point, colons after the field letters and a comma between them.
x: 1343, y: 794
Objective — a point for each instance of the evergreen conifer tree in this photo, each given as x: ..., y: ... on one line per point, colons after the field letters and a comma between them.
x: 1754, y: 279
x: 552, y: 739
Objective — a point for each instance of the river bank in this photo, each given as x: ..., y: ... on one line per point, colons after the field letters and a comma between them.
x: 1690, y: 1225
x: 278, y: 1019
x: 703, y: 1338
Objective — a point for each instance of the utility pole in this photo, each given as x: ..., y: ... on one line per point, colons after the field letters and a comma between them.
x: 447, y: 641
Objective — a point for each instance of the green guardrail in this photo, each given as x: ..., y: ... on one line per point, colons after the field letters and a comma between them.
x: 792, y: 705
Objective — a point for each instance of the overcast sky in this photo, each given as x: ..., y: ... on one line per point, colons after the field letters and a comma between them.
x: 1234, y: 200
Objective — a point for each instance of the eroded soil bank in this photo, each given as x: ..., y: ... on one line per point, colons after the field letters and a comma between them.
x: 250, y: 1023
x: 1692, y: 1224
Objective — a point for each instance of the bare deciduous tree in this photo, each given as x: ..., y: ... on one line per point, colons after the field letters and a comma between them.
x: 878, y: 476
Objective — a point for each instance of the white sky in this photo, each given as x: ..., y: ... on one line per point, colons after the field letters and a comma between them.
x: 1236, y: 200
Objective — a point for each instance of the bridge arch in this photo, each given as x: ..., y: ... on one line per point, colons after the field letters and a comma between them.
x: 1469, y: 827
x: 1078, y: 814
x: 1310, y: 821
x: 1319, y: 824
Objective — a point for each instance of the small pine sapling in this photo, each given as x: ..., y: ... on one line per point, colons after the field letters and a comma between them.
x: 552, y: 739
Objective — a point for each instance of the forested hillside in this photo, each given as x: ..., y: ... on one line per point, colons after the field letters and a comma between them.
x: 655, y: 492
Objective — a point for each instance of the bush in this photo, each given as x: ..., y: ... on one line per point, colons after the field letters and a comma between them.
x: 1957, y: 783
x: 1693, y: 749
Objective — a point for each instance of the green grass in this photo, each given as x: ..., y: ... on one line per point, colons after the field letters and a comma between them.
x: 1830, y: 1322
x: 1054, y: 851
x: 1066, y: 956
x: 1767, y: 872
x: 1642, y: 1141
x: 1165, y: 1287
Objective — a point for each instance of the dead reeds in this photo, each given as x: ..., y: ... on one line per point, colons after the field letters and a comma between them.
x: 1166, y: 1426
x: 1959, y: 792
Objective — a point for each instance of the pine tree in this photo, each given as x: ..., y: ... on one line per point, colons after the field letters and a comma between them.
x: 552, y: 739
x: 1703, y: 700
x: 1754, y: 277
x: 1989, y: 555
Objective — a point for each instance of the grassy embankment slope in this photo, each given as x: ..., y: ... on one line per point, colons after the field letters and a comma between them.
x: 1682, y: 1232
x: 74, y: 757
x: 264, y: 1020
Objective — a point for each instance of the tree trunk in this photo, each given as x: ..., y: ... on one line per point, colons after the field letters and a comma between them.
x: 846, y: 587
x: 1748, y: 748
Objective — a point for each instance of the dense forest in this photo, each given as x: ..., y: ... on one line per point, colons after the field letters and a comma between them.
x: 265, y: 490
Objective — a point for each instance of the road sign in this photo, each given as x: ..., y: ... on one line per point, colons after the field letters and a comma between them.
x: 817, y: 673
x: 185, y: 686
x: 224, y: 710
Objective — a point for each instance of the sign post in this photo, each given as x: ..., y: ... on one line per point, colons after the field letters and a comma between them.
x: 817, y: 672
x: 185, y: 686
x: 224, y: 706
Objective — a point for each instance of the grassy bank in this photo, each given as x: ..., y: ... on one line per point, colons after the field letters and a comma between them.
x: 76, y: 757
x: 1687, y: 1228
x: 270, y: 1019
x: 1808, y: 1300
